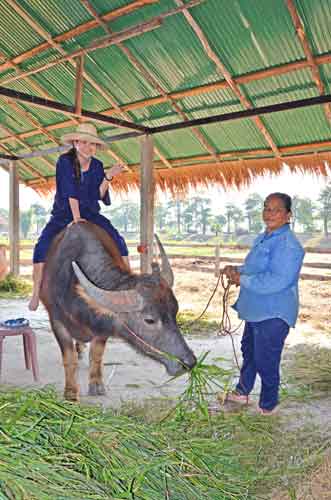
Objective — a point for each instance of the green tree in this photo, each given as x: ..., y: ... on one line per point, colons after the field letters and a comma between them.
x: 160, y: 213
x: 39, y: 214
x: 253, y: 207
x: 233, y: 215
x: 325, y: 208
x: 25, y: 222
x: 217, y: 223
x: 199, y: 207
x: 175, y: 207
x: 305, y: 214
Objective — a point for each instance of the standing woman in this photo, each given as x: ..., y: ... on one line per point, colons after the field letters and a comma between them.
x: 80, y: 183
x: 268, y: 301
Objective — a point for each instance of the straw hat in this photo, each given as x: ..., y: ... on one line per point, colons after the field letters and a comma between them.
x: 84, y: 132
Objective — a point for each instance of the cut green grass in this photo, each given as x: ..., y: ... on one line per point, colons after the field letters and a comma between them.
x: 13, y: 287
x: 55, y: 450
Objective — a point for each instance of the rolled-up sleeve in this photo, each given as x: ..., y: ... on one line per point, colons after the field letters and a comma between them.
x: 66, y: 182
x: 283, y: 270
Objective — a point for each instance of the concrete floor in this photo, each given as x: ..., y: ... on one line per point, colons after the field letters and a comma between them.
x: 129, y: 377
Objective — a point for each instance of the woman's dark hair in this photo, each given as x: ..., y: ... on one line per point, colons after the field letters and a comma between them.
x: 77, y: 166
x: 285, y: 198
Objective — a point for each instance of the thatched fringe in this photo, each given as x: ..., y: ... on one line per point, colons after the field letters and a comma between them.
x: 227, y: 174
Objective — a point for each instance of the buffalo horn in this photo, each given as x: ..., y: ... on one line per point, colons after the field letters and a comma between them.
x: 121, y: 301
x: 166, y: 271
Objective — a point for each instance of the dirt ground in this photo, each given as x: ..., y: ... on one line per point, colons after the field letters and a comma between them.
x: 130, y: 378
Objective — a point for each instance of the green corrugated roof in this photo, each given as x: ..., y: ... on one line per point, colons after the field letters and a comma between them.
x: 245, y: 36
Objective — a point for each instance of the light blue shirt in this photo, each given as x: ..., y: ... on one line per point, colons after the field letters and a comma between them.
x: 269, y: 278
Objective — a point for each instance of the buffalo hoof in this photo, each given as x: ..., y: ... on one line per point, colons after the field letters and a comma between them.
x: 96, y: 390
x: 71, y: 395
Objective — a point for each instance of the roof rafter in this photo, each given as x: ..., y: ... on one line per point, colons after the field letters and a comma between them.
x: 301, y: 33
x: 76, y: 63
x: 228, y: 77
x: 199, y: 90
x: 78, y: 30
x: 155, y: 84
x: 106, y: 41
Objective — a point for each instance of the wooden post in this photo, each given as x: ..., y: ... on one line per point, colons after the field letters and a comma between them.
x: 147, y: 189
x: 14, y: 219
x: 217, y: 259
x: 79, y: 84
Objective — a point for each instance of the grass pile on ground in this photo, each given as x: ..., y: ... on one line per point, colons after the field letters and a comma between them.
x: 55, y: 450
x: 311, y: 367
x: 12, y: 287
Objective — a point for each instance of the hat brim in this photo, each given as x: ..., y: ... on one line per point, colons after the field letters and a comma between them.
x: 80, y: 136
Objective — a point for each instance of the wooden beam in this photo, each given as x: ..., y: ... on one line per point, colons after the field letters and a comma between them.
x: 228, y: 77
x: 69, y: 110
x: 98, y: 44
x: 79, y: 84
x: 301, y: 32
x: 247, y: 113
x: 78, y: 30
x: 14, y: 221
x: 147, y: 190
x: 155, y: 84
x: 80, y: 72
x: 202, y: 89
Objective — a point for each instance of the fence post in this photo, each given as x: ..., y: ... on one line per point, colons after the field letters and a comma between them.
x: 217, y: 259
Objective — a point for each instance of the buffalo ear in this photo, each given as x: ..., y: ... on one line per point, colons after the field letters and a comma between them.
x: 121, y: 301
x: 166, y: 271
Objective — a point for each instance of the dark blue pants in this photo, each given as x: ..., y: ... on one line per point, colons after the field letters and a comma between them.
x: 56, y: 225
x: 261, y: 346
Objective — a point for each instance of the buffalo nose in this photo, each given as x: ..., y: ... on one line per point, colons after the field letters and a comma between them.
x: 190, y: 361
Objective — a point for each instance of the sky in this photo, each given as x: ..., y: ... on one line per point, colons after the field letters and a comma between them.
x: 306, y: 186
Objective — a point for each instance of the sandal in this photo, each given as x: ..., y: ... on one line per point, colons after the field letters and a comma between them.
x: 236, y: 397
x: 267, y: 413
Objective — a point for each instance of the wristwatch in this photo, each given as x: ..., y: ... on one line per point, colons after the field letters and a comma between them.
x: 109, y: 179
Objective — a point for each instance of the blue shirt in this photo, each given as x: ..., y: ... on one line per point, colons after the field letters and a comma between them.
x: 87, y: 191
x: 269, y: 278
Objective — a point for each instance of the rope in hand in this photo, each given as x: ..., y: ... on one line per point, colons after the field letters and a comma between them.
x: 225, y: 325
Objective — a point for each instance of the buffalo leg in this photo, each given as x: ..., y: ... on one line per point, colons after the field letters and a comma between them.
x: 70, y: 361
x: 80, y: 348
x: 97, y: 349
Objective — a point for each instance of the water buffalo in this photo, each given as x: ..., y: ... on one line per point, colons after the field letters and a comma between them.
x: 90, y: 294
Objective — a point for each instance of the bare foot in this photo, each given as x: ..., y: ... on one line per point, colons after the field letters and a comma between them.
x: 34, y: 303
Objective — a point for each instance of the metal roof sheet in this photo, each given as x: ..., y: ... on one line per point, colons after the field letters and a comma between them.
x: 217, y: 57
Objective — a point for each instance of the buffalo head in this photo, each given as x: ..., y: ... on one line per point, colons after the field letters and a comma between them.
x: 144, y: 314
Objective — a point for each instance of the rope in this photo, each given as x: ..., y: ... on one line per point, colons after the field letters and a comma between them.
x: 225, y: 327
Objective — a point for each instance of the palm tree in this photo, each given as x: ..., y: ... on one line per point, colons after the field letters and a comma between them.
x: 39, y: 213
x: 217, y: 223
x: 25, y: 222
x: 253, y: 207
x: 233, y: 214
x: 325, y: 210
x: 305, y: 214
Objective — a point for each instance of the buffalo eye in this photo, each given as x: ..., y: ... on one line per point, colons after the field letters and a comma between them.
x: 149, y: 321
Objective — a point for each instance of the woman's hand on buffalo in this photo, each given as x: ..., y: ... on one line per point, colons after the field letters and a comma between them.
x: 75, y: 221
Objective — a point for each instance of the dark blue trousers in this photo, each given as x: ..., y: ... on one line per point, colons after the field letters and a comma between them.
x: 261, y: 346
x: 57, y: 224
